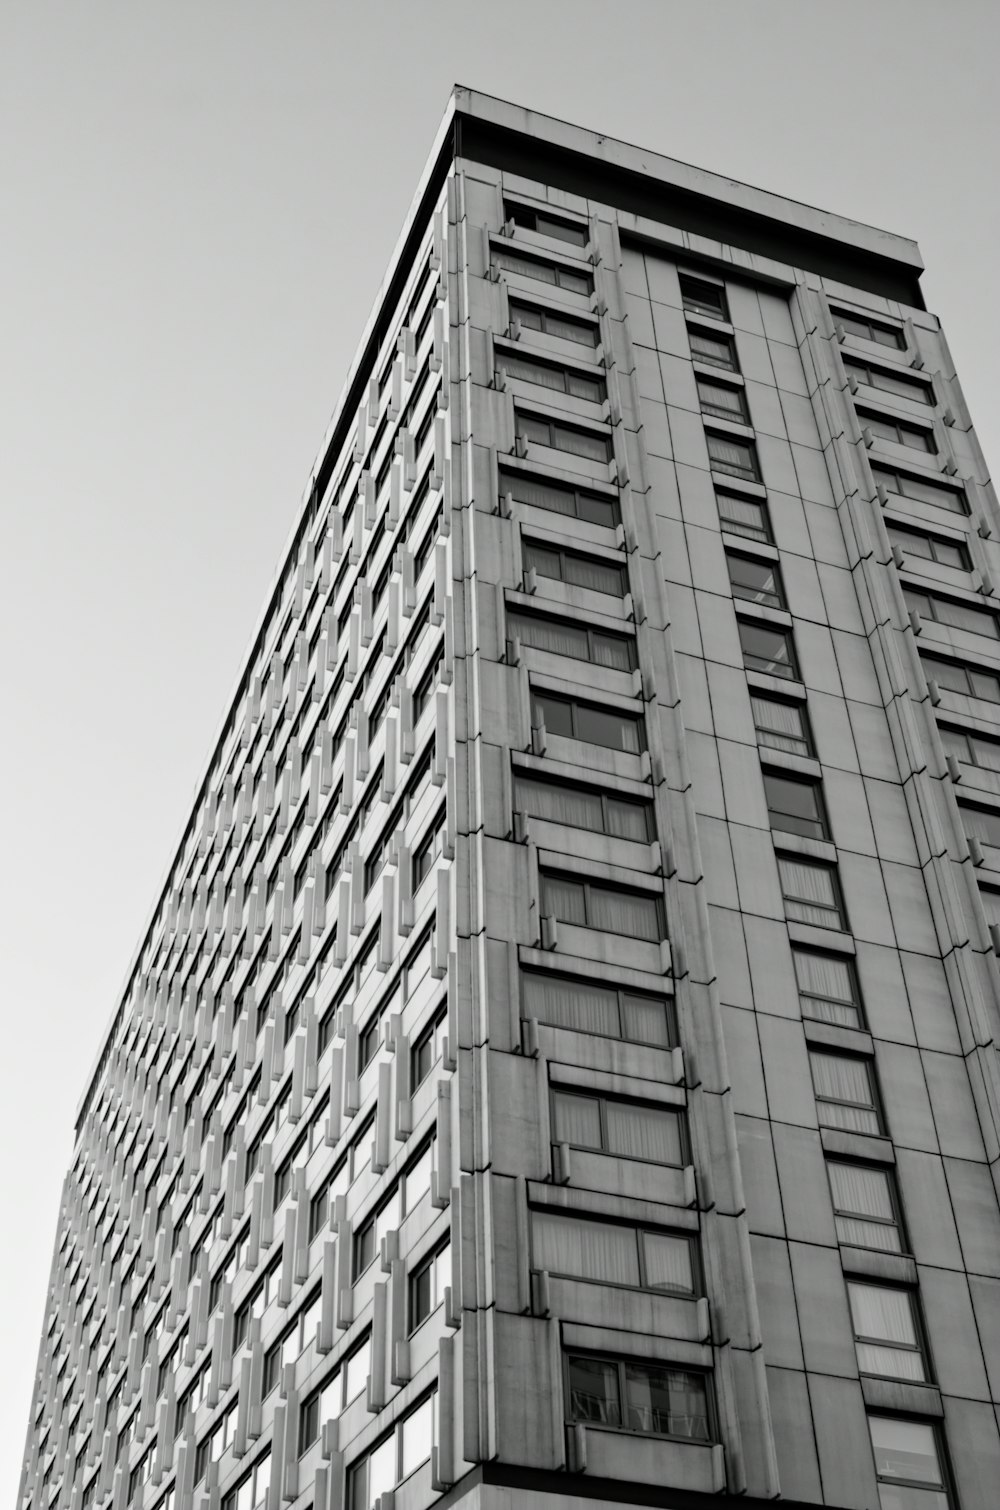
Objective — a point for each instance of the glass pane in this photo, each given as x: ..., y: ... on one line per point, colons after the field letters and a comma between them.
x: 794, y: 806
x: 628, y: 820
x: 559, y: 804
x: 981, y: 823
x: 584, y: 1249
x: 547, y: 563
x: 826, y: 988
x: 859, y: 1234
x: 812, y: 884
x: 668, y: 1401
x: 890, y: 1362
x: 585, y: 387
x: 715, y: 349
x: 767, y: 650
x: 667, y: 1262
x: 905, y: 1450
x: 624, y: 912
x: 571, y: 1004
x: 597, y: 510
x: 381, y: 1470
x: 641, y: 1132
x: 417, y: 1180
x: 532, y: 372
x: 356, y: 1371
x: 540, y: 495
x: 563, y: 899
x: 417, y: 1434
x: 528, y: 267
x: 733, y: 457
x: 585, y: 571
x: 780, y: 726
x: 727, y: 403
x: 614, y: 731
x: 593, y: 1391
x: 556, y: 714
x: 553, y: 635
x: 743, y: 516
x: 581, y: 443
x: 611, y: 650
x: 576, y: 1119
x: 645, y: 1019
x: 844, y: 1089
x: 756, y: 581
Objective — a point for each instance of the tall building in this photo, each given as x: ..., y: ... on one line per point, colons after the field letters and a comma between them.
x: 560, y: 1067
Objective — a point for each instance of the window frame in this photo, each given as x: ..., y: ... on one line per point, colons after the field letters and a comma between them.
x: 639, y: 1230
x: 870, y: 418
x: 428, y: 1264
x: 769, y: 598
x: 623, y: 1407
x: 917, y: 1347
x: 887, y: 1174
x: 830, y: 869
x: 689, y: 297
x: 507, y: 483
x: 590, y: 331
x: 590, y: 884
x: 529, y: 543
x: 933, y: 600
x: 722, y: 468
x: 783, y: 631
x: 856, y: 1002
x: 541, y: 261
x: 603, y: 796
x: 516, y: 614
x: 636, y: 720
x: 677, y: 1113
x: 721, y: 338
x: 619, y: 992
x: 737, y: 415
x: 507, y: 363
x: 808, y: 828
x: 847, y: 317
x: 893, y: 528
x: 557, y: 428
x: 874, y: 1105
x: 884, y: 472
x: 527, y: 218
x: 731, y: 526
x: 805, y: 739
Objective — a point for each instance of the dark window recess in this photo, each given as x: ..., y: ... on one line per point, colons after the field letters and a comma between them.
x: 544, y: 432
x: 718, y: 351
x: 589, y: 904
x: 867, y: 329
x: 545, y: 272
x: 544, y: 224
x: 956, y: 676
x: 982, y: 823
x: 722, y: 401
x: 649, y: 1398
x: 781, y: 725
x: 734, y: 458
x: 557, y: 498
x: 929, y: 547
x: 920, y: 489
x: 898, y: 432
x: 616, y: 652
x: 589, y: 722
x: 890, y: 382
x: 952, y: 613
x: 703, y: 298
x: 811, y: 893
x: 744, y: 516
x: 547, y: 375
x: 575, y: 569
x: 551, y: 322
x: 754, y: 580
x: 589, y: 1006
x: 795, y: 807
x: 971, y: 749
x: 768, y: 650
x: 585, y: 807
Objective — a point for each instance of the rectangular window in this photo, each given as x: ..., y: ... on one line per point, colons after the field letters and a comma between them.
x: 920, y: 489
x: 908, y: 1464
x: 427, y: 1049
x: 744, y: 516
x: 578, y: 1248
x: 867, y: 329
x: 548, y: 375
x: 718, y: 351
x: 616, y: 652
x: 865, y: 1205
x: 887, y: 1336
x: 971, y: 749
x: 795, y: 807
x: 650, y: 1398
x: 544, y: 224
x: 552, y: 322
x: 929, y: 547
x: 575, y: 569
x: 754, y: 580
x: 722, y: 401
x: 589, y: 1006
x: 703, y: 298
x: 767, y: 649
x: 558, y: 498
x: 811, y: 893
x: 613, y: 909
x: 951, y: 613
x: 982, y: 823
x: 544, y: 272
x: 957, y: 676
x: 394, y: 1458
x: 327, y: 1402
x: 626, y: 1129
x: 889, y: 382
x: 427, y: 1285
x: 591, y: 444
x: 584, y: 807
x: 734, y: 458
x: 781, y: 725
x: 828, y: 988
x: 845, y: 1092
x: 407, y: 1194
x: 898, y: 431
x: 589, y: 722
x: 251, y: 1492
x: 428, y: 848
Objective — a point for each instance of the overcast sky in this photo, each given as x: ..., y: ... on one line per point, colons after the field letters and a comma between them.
x: 199, y: 201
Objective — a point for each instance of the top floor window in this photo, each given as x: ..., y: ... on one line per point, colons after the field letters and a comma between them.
x: 569, y: 279
x: 867, y: 329
x: 544, y: 224
x: 551, y: 322
x: 703, y: 298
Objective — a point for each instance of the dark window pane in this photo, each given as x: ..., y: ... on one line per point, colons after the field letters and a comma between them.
x: 767, y: 650
x: 593, y: 1391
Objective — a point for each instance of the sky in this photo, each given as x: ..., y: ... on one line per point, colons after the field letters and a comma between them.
x: 199, y: 202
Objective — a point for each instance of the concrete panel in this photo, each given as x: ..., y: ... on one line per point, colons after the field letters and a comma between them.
x: 805, y: 1190
x: 824, y: 1315
x: 798, y: 1466
x: 760, y: 1177
x: 779, y: 1326
x: 839, y: 1417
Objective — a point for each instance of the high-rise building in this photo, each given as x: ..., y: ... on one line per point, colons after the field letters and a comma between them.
x: 561, y: 1065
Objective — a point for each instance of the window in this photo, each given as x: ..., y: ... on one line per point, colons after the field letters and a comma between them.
x: 558, y: 498
x: 828, y: 988
x: 920, y: 489
x: 395, y: 1458
x: 594, y: 445
x: 616, y: 652
x: 553, y: 322
x: 215, y: 1444
x: 744, y: 516
x: 584, y: 807
x: 866, y: 1209
x: 890, y: 382
x: 589, y: 722
x: 575, y: 569
x: 887, y: 1336
x: 427, y: 1285
x: 982, y: 823
x: 646, y: 1397
x: 625, y: 1129
x: 285, y: 1350
x: 588, y: 1006
x: 845, y: 1092
x: 908, y: 1464
x: 930, y: 547
x: 951, y: 613
x: 957, y: 676
x: 545, y: 224
x: 703, y: 298
x: 723, y: 402
x: 545, y: 272
x: 589, y: 904
x: 781, y: 725
x: 547, y: 375
x: 867, y: 329
x: 735, y: 458
x: 426, y: 685
x: 767, y: 649
x: 971, y: 749
x: 408, y: 1192
x: 898, y: 431
x: 429, y: 848
x: 719, y: 351
x: 612, y: 1254
x: 754, y: 580
x: 327, y: 1402
x: 251, y: 1491
x: 322, y: 1202
x: 795, y: 807
x: 811, y: 893
x: 427, y: 1049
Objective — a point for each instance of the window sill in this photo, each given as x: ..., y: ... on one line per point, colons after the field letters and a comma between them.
x: 747, y: 546
x: 829, y: 1035
x: 784, y: 760
x: 902, y: 1395
x: 798, y: 844
x: 762, y: 614
x: 853, y: 1145
x: 872, y: 1263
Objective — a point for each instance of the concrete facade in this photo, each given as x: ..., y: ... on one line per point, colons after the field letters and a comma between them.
x: 561, y: 1066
